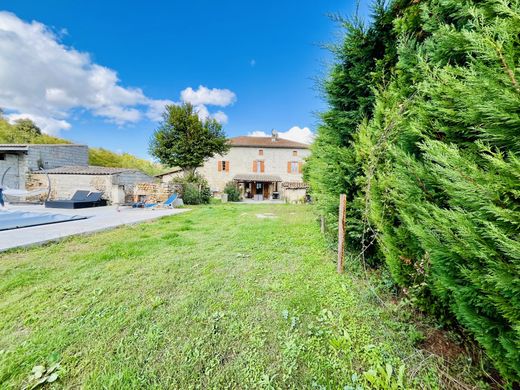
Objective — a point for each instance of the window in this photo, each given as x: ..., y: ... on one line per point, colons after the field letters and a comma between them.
x: 258, y: 166
x: 260, y: 152
x: 223, y: 166
x: 294, y: 167
x: 294, y: 153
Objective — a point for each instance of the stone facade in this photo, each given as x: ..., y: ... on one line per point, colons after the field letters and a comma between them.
x: 262, y: 160
x: 241, y: 160
x: 117, y: 188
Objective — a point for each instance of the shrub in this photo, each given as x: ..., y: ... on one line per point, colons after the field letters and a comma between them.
x: 195, y: 189
x: 232, y: 191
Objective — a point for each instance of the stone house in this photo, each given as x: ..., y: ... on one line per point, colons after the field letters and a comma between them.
x: 32, y: 166
x: 262, y: 167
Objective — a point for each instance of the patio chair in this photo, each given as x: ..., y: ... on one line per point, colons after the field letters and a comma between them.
x: 168, y: 203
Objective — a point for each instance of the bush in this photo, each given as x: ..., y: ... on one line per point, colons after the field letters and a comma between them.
x: 195, y: 189
x: 430, y: 167
x: 232, y: 191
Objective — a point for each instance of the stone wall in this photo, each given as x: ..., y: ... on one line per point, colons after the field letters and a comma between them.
x: 118, y: 188
x: 154, y: 192
x: 64, y: 186
x: 294, y: 195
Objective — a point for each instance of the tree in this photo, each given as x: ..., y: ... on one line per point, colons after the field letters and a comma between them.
x: 184, y: 140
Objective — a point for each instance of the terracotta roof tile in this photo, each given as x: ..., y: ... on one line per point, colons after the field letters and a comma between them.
x: 266, y: 142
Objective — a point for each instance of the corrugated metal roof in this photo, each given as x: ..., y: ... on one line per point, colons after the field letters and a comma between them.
x: 173, y: 170
x: 266, y: 142
x: 256, y: 177
x: 85, y: 170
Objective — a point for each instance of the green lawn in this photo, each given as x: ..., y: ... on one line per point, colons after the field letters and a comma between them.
x: 212, y: 298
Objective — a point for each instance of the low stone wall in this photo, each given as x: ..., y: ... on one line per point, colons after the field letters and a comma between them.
x: 154, y: 192
x: 64, y: 186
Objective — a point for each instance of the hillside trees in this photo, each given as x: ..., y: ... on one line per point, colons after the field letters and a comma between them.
x: 24, y: 131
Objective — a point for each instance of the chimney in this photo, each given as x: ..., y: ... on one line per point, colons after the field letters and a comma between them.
x: 274, y: 135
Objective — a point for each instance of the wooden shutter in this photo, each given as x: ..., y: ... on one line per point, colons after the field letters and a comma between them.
x: 262, y: 166
x: 219, y: 165
x: 227, y: 166
x: 300, y: 167
x: 288, y: 167
x: 254, y: 166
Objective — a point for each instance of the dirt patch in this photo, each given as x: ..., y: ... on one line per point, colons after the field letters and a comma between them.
x: 266, y: 215
x: 439, y: 344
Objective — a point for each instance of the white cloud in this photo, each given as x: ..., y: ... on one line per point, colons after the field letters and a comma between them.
x: 208, y: 97
x: 42, y: 79
x: 220, y: 117
x: 47, y: 125
x: 295, y: 133
x: 156, y: 109
x: 204, y: 96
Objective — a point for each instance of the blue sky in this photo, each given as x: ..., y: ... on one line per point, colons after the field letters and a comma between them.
x: 257, y: 62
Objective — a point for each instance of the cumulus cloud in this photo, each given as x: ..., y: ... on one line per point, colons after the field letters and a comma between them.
x: 295, y: 133
x: 44, y: 80
x: 47, y: 125
x: 203, y: 97
x: 208, y: 97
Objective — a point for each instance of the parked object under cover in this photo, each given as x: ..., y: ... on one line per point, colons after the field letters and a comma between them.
x: 21, y: 219
x: 80, y: 200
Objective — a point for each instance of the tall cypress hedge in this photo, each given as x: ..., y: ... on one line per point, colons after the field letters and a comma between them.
x: 438, y: 169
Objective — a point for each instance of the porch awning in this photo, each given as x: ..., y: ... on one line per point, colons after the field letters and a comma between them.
x: 243, y: 177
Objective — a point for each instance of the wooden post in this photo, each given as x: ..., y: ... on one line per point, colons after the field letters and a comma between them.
x: 322, y: 224
x: 341, y: 231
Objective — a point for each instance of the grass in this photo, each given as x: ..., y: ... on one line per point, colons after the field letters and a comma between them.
x: 212, y: 298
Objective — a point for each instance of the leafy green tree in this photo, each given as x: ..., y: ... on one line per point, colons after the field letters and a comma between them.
x: 184, y: 140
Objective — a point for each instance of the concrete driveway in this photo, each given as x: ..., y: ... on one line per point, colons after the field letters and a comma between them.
x: 98, y: 219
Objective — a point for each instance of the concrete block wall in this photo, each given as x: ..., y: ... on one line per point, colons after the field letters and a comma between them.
x: 14, y: 177
x: 55, y: 156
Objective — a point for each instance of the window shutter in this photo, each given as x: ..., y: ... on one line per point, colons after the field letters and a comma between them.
x: 300, y: 167
x: 254, y: 166
x: 219, y: 165
x: 227, y: 166
x: 262, y: 166
x: 288, y: 167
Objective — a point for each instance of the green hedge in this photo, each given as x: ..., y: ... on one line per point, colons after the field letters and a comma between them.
x: 439, y: 167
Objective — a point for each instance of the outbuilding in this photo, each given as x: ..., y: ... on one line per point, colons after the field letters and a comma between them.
x: 117, y: 184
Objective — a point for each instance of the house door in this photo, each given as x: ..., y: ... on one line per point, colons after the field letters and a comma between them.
x: 259, y: 191
x: 266, y: 190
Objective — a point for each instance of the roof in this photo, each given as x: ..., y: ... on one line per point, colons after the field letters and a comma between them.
x: 85, y: 170
x: 173, y: 170
x: 295, y: 185
x: 266, y: 142
x: 256, y: 177
x: 35, y: 145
